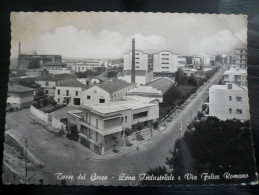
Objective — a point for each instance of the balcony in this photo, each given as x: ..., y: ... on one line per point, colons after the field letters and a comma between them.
x: 106, y: 131
x: 66, y: 95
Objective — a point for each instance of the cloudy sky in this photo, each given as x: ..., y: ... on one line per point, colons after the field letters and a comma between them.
x: 108, y: 35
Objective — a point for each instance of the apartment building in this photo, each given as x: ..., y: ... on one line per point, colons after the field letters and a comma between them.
x: 240, y: 57
x: 83, y: 66
x: 235, y: 75
x: 106, y: 92
x: 165, y: 62
x: 102, y: 126
x: 141, y: 60
x: 229, y: 101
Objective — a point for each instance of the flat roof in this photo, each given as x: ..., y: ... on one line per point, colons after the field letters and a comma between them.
x: 162, y: 84
x: 106, y: 108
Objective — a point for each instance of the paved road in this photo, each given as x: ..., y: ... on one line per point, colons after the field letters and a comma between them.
x: 64, y: 156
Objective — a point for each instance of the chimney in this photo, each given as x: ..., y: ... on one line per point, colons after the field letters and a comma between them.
x: 133, y: 62
x: 19, y: 48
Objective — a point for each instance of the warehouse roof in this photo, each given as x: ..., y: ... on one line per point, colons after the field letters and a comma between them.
x: 73, y: 83
x: 161, y: 84
x: 115, y: 85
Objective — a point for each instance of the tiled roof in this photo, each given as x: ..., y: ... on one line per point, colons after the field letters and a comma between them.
x: 162, y: 84
x: 101, y: 77
x: 73, y: 83
x: 57, y: 77
x: 115, y: 85
x: 19, y: 88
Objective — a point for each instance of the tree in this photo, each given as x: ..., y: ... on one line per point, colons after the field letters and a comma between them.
x: 112, y: 74
x: 34, y: 64
x: 179, y: 76
x: 211, y: 146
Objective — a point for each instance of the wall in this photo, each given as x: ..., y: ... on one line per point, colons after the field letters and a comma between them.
x: 219, y: 104
x: 72, y: 94
x: 57, y: 124
x: 39, y: 114
x: 153, y: 113
x: 140, y: 64
x: 95, y: 94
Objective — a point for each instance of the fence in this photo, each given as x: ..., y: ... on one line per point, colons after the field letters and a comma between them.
x: 40, y: 114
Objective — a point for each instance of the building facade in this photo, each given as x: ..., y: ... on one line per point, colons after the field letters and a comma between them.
x: 49, y: 83
x: 103, y: 125
x: 165, y: 62
x: 240, y: 57
x: 19, y: 96
x: 235, y: 75
x: 69, y: 93
x: 141, y: 60
x: 229, y: 101
x: 106, y: 92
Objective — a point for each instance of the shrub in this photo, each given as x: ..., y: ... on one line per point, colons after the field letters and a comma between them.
x: 139, y: 137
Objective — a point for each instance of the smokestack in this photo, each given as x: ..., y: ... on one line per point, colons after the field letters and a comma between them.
x: 133, y: 62
x: 19, y: 48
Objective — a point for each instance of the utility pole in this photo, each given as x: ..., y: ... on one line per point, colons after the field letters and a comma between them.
x: 181, y: 128
x: 25, y: 157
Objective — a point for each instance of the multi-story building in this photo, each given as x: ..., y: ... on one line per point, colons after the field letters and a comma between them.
x: 240, y: 57
x: 61, y: 71
x: 102, y: 126
x: 83, y: 66
x: 53, y: 65
x: 229, y: 101
x: 206, y: 60
x: 150, y: 61
x: 141, y: 76
x: 181, y: 61
x: 165, y: 62
x: 141, y: 60
x: 19, y: 96
x: 49, y: 83
x: 69, y: 93
x: 196, y: 63
x: 235, y: 75
x: 106, y: 92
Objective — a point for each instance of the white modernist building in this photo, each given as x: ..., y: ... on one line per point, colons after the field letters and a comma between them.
x: 240, y: 57
x: 165, y: 62
x: 235, y: 75
x: 141, y: 76
x: 207, y: 60
x: 229, y: 101
x: 141, y: 60
x: 102, y: 126
x: 83, y: 66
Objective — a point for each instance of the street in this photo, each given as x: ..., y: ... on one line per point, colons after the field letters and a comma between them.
x: 61, y: 155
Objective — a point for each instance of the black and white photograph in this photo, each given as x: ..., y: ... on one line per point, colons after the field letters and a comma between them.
x: 128, y: 99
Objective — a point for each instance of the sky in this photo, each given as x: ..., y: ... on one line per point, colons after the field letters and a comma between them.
x: 107, y: 35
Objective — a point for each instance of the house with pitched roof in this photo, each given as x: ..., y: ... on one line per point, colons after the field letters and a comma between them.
x: 19, y: 96
x: 106, y: 92
x: 49, y: 83
x: 69, y: 93
x: 141, y: 76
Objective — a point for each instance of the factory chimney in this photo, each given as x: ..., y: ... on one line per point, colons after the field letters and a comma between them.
x: 19, y: 48
x: 133, y: 62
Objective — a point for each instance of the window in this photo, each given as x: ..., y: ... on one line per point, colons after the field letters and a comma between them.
x: 96, y: 136
x: 76, y: 93
x: 121, y: 119
x: 126, y: 119
x: 230, y: 98
x: 58, y: 100
x: 67, y: 92
x: 140, y: 115
x: 47, y: 92
x: 95, y: 90
x: 47, y: 83
x: 96, y: 123
x: 230, y: 110
x: 238, y: 98
x: 58, y: 92
x: 88, y: 97
x: 229, y: 86
x: 239, y: 111
x: 101, y: 100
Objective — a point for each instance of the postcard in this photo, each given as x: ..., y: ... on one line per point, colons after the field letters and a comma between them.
x: 128, y: 99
